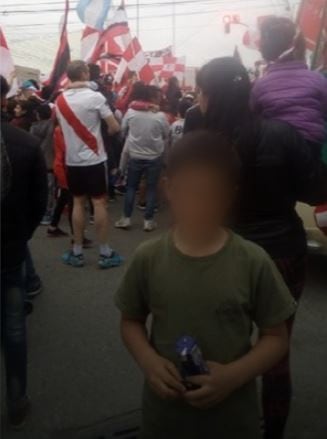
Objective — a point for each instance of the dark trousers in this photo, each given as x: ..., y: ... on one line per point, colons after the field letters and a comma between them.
x: 277, y: 383
x: 64, y: 199
x: 151, y: 169
x: 14, y: 332
x: 32, y: 279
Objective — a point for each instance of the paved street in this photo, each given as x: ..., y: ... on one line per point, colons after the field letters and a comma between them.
x: 81, y: 380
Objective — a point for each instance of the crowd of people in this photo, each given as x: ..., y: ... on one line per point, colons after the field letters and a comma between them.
x: 231, y: 160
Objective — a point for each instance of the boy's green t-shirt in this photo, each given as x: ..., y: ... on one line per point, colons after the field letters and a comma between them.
x: 215, y: 299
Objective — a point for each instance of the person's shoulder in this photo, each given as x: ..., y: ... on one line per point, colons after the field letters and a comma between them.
x: 161, y: 116
x: 249, y: 251
x: 13, y: 135
x: 151, y: 248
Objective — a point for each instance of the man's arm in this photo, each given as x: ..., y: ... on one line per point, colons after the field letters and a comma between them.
x: 223, y: 380
x: 112, y: 124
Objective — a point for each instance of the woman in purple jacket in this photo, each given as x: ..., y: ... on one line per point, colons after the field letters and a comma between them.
x: 290, y: 92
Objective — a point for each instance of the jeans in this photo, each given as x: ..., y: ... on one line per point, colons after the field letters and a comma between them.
x: 51, y: 194
x: 14, y: 332
x: 136, y: 169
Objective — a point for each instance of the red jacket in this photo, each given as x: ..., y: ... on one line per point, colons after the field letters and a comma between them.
x: 59, y: 165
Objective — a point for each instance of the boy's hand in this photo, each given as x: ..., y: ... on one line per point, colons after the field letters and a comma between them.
x: 164, y: 378
x: 214, y: 387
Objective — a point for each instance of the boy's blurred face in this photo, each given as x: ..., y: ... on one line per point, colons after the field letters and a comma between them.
x: 200, y: 198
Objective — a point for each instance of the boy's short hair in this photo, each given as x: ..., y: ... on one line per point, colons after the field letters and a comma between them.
x: 44, y: 112
x: 205, y: 148
x: 183, y: 105
x: 75, y: 70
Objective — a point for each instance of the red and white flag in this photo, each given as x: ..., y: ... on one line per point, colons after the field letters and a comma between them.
x: 156, y: 58
x: 108, y: 65
x: 115, y: 39
x: 89, y: 41
x: 173, y: 67
x: 135, y: 60
x: 58, y: 75
x: 7, y: 67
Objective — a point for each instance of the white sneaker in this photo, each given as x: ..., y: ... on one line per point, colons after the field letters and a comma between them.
x: 123, y: 223
x: 149, y: 225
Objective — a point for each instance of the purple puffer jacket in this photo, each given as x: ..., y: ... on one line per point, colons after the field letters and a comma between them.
x: 291, y: 93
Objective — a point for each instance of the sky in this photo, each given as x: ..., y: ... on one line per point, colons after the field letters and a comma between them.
x: 32, y: 26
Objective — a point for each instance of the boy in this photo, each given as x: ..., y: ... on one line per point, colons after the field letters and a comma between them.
x: 177, y: 127
x: 202, y: 280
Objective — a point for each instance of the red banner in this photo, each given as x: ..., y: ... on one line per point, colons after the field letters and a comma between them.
x: 310, y: 21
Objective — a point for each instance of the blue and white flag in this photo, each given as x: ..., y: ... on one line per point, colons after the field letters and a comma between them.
x: 93, y: 12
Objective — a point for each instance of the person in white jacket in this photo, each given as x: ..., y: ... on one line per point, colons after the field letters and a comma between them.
x: 147, y: 131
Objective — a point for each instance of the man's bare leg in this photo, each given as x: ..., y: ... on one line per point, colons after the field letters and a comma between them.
x: 101, y: 219
x: 78, y: 223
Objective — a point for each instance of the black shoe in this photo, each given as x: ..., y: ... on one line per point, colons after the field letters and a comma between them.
x: 18, y: 412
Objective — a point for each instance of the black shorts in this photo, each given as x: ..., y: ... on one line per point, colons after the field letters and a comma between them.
x: 91, y: 181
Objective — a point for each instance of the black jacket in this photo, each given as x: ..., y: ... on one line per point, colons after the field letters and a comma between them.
x: 25, y: 202
x: 278, y: 169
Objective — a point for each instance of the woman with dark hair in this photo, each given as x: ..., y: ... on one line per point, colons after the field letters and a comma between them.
x: 173, y: 95
x: 289, y: 91
x: 278, y: 169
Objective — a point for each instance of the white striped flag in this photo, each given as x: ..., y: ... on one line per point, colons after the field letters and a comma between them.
x: 90, y: 39
x: 115, y: 39
x: 93, y: 12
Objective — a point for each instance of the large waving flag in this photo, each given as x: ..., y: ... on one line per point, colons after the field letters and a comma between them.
x: 115, y: 39
x: 93, y: 12
x: 62, y: 60
x: 7, y: 67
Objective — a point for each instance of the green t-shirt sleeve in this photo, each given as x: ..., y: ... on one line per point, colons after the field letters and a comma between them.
x: 273, y: 303
x: 131, y: 295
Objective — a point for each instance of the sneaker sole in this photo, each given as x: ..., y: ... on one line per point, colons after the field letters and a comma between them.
x: 69, y: 264
x: 118, y: 264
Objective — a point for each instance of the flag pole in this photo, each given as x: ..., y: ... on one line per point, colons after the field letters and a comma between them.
x: 138, y: 18
x: 173, y: 26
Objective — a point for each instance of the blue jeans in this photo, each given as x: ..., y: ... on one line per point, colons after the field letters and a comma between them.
x: 13, y: 327
x: 136, y: 169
